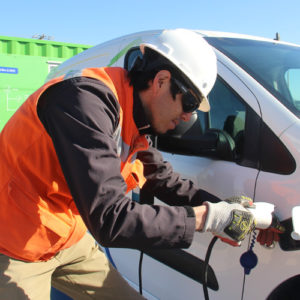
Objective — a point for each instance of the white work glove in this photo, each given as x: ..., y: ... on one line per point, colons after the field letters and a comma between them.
x: 230, y: 219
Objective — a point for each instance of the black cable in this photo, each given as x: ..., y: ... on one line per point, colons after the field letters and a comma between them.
x: 243, y: 287
x: 205, y: 269
x: 140, y: 273
x: 204, y: 274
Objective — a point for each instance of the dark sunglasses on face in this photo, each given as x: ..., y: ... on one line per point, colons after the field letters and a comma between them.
x: 189, y: 101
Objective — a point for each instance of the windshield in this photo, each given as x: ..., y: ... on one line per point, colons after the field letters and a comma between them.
x: 275, y: 66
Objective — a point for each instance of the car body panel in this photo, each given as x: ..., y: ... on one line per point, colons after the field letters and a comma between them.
x: 223, y: 179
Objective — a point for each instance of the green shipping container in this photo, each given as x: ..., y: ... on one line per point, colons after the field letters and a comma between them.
x: 24, y: 66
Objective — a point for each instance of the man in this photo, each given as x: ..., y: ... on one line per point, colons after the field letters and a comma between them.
x: 73, y: 150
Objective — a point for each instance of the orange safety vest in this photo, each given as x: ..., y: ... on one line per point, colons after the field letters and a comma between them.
x: 37, y: 212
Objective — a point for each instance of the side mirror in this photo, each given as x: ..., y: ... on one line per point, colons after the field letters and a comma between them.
x: 188, y: 139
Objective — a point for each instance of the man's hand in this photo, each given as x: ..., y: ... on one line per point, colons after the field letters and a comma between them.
x: 200, y: 213
x: 229, y: 219
x: 267, y: 237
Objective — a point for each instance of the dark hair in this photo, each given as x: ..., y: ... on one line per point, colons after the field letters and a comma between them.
x: 148, y: 66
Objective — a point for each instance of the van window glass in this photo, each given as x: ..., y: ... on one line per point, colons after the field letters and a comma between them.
x: 270, y: 63
x: 292, y: 78
x: 227, y: 112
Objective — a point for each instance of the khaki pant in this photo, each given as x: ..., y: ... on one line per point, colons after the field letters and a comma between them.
x: 82, y: 272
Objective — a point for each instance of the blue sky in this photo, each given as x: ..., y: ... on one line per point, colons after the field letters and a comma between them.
x: 95, y: 21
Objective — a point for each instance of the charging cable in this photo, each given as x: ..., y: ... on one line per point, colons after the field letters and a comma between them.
x: 204, y: 274
x: 205, y: 269
x: 140, y: 273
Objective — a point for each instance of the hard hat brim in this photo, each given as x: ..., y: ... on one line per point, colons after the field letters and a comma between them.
x: 204, y: 105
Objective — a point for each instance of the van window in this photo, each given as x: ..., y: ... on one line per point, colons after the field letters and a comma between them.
x: 269, y: 63
x: 292, y: 78
x: 227, y: 112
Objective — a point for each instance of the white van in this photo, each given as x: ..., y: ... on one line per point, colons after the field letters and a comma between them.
x: 247, y: 144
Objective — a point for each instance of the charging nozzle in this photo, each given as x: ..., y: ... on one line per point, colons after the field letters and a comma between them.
x: 263, y: 214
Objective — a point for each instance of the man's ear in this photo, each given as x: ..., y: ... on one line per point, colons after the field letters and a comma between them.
x: 161, y: 78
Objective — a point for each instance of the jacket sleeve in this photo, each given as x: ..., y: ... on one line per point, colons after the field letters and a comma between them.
x: 81, y: 115
x: 167, y: 185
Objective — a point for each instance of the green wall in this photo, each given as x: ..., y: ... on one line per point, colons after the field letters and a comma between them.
x: 24, y: 66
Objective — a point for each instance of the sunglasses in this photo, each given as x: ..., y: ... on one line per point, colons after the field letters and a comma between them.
x: 189, y: 101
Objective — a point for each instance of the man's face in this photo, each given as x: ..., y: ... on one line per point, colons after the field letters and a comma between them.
x: 162, y: 110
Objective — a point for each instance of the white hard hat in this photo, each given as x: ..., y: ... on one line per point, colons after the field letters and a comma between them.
x: 191, y: 54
